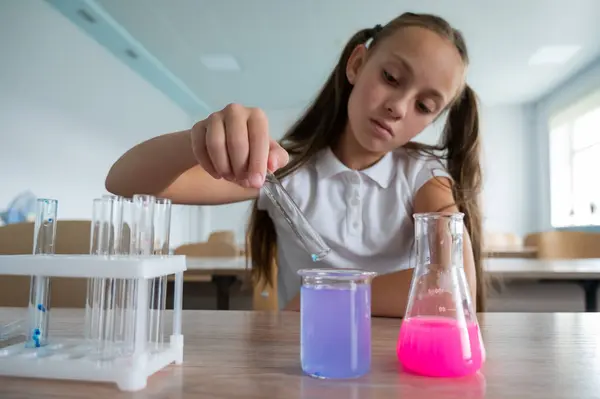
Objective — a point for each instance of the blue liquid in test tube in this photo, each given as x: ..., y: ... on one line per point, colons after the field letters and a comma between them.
x: 44, y: 235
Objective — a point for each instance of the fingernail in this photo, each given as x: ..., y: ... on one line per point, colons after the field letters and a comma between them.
x: 274, y: 164
x: 257, y: 179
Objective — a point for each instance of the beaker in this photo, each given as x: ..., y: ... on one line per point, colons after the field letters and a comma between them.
x: 440, y: 336
x: 335, y: 322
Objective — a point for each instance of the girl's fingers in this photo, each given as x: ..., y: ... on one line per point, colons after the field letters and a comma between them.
x: 278, y: 157
x: 236, y: 138
x: 199, y: 148
x: 216, y: 146
x: 258, y: 136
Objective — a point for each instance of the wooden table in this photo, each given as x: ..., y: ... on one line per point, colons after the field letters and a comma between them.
x: 583, y: 272
x: 246, y: 354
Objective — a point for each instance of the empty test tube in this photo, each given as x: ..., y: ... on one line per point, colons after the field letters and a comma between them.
x: 44, y: 234
x: 312, y: 241
x: 158, y: 285
x: 143, y: 225
x: 100, y: 238
x: 125, y: 288
x: 142, y: 244
x: 109, y: 309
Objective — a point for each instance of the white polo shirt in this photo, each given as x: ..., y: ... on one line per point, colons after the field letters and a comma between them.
x: 365, y: 216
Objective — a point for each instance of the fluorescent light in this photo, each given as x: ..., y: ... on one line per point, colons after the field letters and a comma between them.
x: 220, y: 62
x: 553, y: 55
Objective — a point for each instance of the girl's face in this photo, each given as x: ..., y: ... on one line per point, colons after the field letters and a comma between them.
x: 401, y: 87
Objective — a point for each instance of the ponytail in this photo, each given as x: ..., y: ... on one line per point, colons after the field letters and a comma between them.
x: 461, y: 141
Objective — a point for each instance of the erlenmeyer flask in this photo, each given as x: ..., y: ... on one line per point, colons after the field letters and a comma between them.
x: 440, y: 335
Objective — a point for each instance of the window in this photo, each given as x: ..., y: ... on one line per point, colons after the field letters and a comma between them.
x: 575, y: 164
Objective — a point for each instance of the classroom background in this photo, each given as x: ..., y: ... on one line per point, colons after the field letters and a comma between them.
x: 83, y: 81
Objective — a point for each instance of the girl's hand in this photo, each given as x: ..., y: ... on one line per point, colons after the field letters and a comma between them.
x: 234, y: 144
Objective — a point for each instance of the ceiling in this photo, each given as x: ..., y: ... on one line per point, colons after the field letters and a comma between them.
x: 287, y: 48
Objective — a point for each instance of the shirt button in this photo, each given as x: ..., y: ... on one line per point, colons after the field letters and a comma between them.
x: 355, y: 179
x: 355, y: 225
x: 355, y: 202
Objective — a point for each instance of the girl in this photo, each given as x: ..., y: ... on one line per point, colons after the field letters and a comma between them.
x: 348, y: 162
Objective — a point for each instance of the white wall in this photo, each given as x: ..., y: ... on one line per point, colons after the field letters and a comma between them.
x: 508, y: 140
x: 583, y: 83
x: 68, y: 109
x: 507, y: 134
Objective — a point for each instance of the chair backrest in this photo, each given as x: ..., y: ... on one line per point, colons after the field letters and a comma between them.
x: 565, y: 244
x: 502, y: 240
x: 226, y: 236
x: 72, y: 237
x: 208, y: 249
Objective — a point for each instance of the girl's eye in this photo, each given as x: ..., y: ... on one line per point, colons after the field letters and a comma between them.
x: 423, y: 108
x: 388, y: 77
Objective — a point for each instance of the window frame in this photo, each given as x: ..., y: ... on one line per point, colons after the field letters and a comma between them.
x: 561, y: 124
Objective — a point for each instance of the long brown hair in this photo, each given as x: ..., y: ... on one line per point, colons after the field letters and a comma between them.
x: 325, y: 119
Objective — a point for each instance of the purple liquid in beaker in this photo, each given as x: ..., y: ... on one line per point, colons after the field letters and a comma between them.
x: 336, y: 329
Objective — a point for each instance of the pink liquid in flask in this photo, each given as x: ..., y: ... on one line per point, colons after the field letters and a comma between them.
x: 440, y: 347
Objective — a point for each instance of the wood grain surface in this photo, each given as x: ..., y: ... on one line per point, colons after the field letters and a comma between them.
x: 231, y: 354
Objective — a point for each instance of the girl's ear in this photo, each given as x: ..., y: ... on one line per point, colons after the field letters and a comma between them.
x: 355, y: 63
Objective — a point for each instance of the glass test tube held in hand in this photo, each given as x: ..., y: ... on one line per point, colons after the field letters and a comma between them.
x: 158, y: 285
x: 311, y: 240
x: 44, y: 235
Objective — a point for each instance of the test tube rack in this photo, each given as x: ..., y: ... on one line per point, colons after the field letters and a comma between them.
x: 70, y: 358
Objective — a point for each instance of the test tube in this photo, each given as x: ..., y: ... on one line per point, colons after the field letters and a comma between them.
x: 107, y: 330
x: 125, y: 288
x: 44, y: 235
x: 100, y: 237
x: 142, y: 244
x: 158, y: 285
x: 143, y: 228
x: 309, y: 237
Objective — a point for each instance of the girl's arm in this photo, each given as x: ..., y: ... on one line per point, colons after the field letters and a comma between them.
x: 165, y: 166
x: 390, y: 291
x: 221, y: 159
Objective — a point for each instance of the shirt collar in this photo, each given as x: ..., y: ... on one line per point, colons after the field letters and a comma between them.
x: 328, y: 165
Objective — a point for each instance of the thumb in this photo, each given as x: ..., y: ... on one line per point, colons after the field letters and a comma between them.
x: 278, y: 157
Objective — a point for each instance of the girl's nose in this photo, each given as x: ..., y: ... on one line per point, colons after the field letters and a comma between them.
x: 397, y: 107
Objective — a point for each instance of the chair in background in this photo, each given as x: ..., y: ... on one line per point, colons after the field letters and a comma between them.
x: 219, y: 244
x: 502, y: 240
x: 72, y: 237
x: 565, y: 244
x: 227, y: 236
